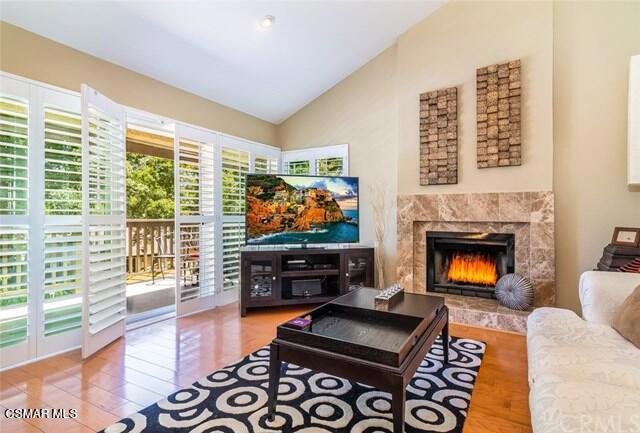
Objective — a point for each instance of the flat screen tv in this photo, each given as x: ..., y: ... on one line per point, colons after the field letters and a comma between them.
x: 289, y: 209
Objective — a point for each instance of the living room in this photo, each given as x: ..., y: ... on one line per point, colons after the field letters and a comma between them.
x: 304, y: 157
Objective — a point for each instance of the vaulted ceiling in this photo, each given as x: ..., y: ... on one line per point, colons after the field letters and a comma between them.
x: 218, y: 50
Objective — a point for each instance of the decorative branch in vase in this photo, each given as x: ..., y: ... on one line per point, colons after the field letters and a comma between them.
x: 380, y: 217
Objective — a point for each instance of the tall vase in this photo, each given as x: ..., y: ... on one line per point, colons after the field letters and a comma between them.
x: 379, y: 259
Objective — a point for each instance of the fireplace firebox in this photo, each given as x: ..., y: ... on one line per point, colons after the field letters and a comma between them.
x: 468, y: 264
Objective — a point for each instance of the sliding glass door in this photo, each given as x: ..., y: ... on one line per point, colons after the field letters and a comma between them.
x: 63, y: 218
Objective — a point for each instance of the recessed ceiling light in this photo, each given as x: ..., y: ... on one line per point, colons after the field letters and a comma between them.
x: 267, y: 21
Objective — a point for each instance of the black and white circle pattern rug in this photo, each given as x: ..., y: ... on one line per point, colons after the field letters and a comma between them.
x: 234, y: 399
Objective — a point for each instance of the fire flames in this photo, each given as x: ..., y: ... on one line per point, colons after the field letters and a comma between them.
x: 473, y: 268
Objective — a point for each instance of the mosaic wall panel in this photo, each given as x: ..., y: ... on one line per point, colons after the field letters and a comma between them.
x: 498, y: 115
x: 439, y: 137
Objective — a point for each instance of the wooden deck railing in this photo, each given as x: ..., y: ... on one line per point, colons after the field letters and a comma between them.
x: 147, y: 238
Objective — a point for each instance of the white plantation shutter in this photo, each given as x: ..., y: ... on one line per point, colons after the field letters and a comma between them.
x: 232, y: 241
x: 62, y: 302
x: 317, y: 161
x: 104, y: 272
x: 63, y: 162
x: 14, y: 279
x: 107, y: 292
x: 195, y: 219
x: 265, y: 165
x: 298, y: 167
x: 235, y: 167
x: 17, y: 324
x: 197, y: 264
x: 14, y: 154
x: 189, y: 177
x: 40, y: 226
x: 329, y: 166
x: 61, y: 236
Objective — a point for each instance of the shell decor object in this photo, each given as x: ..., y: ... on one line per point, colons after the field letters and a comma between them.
x: 515, y: 291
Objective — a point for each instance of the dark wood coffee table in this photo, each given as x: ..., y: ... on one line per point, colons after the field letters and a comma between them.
x: 349, y: 338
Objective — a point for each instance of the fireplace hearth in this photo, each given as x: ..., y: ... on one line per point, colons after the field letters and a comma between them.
x: 468, y: 264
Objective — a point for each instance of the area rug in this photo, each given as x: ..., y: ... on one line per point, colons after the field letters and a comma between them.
x: 233, y: 399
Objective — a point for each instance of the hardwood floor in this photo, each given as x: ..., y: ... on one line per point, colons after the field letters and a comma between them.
x: 156, y: 360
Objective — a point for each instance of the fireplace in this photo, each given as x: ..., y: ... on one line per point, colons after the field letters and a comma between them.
x: 468, y: 264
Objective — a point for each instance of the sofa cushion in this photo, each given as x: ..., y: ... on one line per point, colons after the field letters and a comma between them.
x: 561, y: 405
x: 627, y: 321
x: 560, y: 343
x: 602, y: 294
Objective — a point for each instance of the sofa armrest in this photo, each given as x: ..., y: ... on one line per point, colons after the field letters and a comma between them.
x: 602, y: 294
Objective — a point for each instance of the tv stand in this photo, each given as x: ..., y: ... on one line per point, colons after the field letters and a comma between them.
x: 302, y: 275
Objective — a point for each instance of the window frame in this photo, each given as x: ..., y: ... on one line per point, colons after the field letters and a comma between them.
x: 313, y: 154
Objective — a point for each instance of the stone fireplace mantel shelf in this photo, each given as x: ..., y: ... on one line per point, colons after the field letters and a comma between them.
x: 528, y: 215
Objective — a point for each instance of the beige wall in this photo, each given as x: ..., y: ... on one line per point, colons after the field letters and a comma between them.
x: 444, y: 50
x: 575, y: 65
x: 379, y: 120
x: 360, y: 111
x: 29, y: 55
x: 593, y: 43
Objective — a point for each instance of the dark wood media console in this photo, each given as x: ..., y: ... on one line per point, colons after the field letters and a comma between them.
x: 302, y: 276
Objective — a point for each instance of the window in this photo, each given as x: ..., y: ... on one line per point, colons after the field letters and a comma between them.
x: 235, y: 167
x: 329, y: 166
x: 265, y: 165
x: 320, y: 161
x: 298, y: 167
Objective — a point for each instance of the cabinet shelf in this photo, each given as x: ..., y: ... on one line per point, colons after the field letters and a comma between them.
x: 310, y: 273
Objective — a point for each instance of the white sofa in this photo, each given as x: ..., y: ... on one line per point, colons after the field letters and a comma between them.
x: 583, y: 376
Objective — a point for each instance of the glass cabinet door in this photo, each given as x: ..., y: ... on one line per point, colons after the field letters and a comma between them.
x: 262, y: 279
x: 359, y: 271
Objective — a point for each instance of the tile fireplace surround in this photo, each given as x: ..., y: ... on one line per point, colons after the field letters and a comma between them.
x: 528, y: 215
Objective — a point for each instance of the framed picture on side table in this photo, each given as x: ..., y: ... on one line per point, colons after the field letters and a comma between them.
x: 626, y: 236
